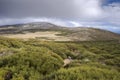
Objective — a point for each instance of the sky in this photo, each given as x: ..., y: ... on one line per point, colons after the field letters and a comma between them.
x: 104, y: 14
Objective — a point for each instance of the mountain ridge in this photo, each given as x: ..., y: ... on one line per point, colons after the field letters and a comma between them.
x: 75, y: 33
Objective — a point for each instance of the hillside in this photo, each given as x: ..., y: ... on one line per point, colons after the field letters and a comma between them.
x: 46, y: 60
x: 68, y: 34
x: 44, y: 51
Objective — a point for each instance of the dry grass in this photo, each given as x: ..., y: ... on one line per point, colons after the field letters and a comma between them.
x: 47, y: 35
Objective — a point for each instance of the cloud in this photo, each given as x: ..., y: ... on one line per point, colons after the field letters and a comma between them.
x: 69, y: 9
x: 59, y: 22
x: 75, y: 24
x: 61, y: 12
x: 112, y: 12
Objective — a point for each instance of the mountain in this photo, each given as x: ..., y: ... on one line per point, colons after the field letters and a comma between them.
x: 17, y: 28
x: 74, y: 34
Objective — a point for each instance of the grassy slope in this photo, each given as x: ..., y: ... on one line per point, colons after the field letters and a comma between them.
x: 75, y: 34
x: 38, y: 60
x: 88, y: 34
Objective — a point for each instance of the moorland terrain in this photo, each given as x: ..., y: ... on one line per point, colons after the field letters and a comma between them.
x: 43, y: 51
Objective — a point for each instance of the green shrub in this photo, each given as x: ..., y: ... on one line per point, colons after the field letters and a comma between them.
x: 84, y: 73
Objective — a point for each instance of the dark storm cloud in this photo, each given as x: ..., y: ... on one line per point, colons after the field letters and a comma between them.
x: 69, y: 9
x: 36, y: 8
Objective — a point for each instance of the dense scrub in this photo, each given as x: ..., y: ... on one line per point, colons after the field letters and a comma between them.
x: 84, y: 73
x: 41, y: 60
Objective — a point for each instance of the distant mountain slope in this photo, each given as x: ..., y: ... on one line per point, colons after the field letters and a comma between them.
x: 75, y: 34
x: 93, y: 34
